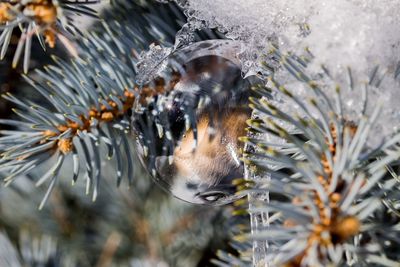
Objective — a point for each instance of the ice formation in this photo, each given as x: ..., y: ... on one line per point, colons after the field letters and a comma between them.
x: 341, y: 35
x: 151, y: 63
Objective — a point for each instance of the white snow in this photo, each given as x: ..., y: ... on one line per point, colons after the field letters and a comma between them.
x: 355, y: 33
x: 341, y: 34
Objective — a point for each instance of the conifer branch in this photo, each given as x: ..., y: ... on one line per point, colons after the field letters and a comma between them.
x: 91, y: 100
x: 90, y: 109
x: 48, y: 20
x: 317, y: 185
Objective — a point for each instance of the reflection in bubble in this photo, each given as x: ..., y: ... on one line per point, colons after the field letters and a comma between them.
x: 188, y: 133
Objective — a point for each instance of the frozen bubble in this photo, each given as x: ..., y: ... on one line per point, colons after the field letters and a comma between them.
x: 188, y: 132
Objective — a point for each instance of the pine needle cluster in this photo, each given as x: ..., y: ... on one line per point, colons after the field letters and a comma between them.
x: 319, y: 193
x: 48, y: 20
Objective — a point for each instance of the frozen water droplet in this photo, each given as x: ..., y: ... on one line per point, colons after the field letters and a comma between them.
x: 203, y: 104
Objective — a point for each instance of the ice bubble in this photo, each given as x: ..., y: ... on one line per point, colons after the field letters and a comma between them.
x: 188, y: 131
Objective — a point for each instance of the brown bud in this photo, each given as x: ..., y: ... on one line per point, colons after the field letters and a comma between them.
x: 346, y: 227
x: 107, y: 116
x: 65, y: 145
x: 4, y: 12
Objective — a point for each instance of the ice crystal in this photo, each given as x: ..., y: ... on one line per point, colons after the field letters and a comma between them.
x: 152, y: 63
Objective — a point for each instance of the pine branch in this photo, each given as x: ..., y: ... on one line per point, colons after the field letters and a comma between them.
x: 84, y: 101
x: 91, y: 108
x: 47, y: 19
x: 319, y: 185
x: 91, y: 100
